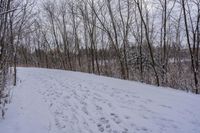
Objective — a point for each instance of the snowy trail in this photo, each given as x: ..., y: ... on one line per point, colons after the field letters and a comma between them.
x: 56, y: 101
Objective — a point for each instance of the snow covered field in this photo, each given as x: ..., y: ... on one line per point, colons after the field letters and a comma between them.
x: 56, y: 101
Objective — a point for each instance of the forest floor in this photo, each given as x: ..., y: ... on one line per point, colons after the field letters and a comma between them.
x: 57, y: 101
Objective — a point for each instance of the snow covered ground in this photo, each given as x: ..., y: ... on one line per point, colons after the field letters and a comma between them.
x: 56, y: 101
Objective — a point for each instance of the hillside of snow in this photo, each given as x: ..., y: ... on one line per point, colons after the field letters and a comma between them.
x: 56, y: 101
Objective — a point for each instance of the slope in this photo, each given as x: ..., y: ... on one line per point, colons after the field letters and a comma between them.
x: 56, y: 101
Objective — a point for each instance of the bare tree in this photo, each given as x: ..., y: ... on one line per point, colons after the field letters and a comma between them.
x: 194, y: 44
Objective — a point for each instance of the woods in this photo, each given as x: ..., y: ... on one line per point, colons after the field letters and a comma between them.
x: 155, y: 42
x: 13, y: 26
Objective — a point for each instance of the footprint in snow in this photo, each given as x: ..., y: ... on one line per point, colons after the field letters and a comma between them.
x: 100, y: 127
x: 142, y: 129
x: 98, y: 108
x: 127, y: 117
x: 115, y: 118
x: 103, y: 125
x: 165, y: 106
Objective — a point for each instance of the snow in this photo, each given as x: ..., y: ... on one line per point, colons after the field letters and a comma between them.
x: 57, y: 101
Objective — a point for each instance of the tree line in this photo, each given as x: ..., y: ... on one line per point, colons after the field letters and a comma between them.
x: 155, y: 42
